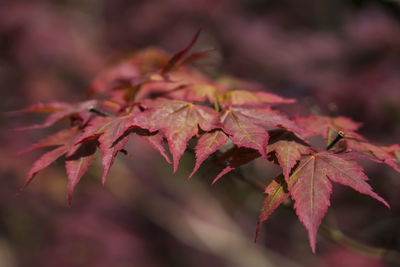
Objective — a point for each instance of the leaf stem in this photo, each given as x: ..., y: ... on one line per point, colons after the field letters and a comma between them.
x: 339, y: 136
x: 216, y: 105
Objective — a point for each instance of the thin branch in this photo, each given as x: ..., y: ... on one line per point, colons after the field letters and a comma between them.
x: 376, y: 252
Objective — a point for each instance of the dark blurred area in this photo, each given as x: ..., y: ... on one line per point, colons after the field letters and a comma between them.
x: 335, y: 57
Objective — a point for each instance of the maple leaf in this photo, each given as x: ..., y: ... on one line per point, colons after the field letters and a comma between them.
x: 145, y: 73
x: 58, y: 139
x: 130, y: 71
x: 78, y: 156
x: 242, y: 97
x: 310, y: 186
x: 288, y: 153
x: 287, y: 146
x: 383, y: 154
x: 112, y: 136
x: 277, y: 192
x: 177, y: 120
x: 197, y: 92
x: 195, y: 56
x: 184, y: 84
x: 130, y: 90
x: 106, y: 129
x: 177, y: 58
x: 288, y: 149
x: 41, y: 107
x: 77, y: 162
x: 208, y: 144
x: 60, y: 111
x: 63, y: 141
x: 328, y: 126
x: 245, y: 126
x: 156, y: 140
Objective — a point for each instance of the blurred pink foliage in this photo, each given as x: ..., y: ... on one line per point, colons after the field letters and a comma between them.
x: 339, y: 57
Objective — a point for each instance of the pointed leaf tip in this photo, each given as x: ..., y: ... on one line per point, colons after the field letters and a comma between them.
x: 311, y: 189
x: 77, y: 163
x: 276, y: 193
x: 382, y: 154
x: 239, y: 157
x: 178, y: 121
x: 208, y: 144
x: 176, y: 58
x: 222, y: 173
x: 156, y: 141
x: 288, y: 153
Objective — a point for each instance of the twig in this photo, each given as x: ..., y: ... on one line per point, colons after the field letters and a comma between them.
x: 375, y: 252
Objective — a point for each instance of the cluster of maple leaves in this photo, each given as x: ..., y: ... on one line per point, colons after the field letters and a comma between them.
x: 159, y: 97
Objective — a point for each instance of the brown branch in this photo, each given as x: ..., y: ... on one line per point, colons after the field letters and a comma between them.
x: 376, y: 252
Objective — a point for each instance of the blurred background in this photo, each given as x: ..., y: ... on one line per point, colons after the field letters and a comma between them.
x: 336, y: 57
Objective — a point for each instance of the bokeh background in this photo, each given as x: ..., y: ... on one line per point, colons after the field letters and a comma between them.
x: 336, y: 57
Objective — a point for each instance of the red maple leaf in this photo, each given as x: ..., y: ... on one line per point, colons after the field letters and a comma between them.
x: 130, y: 71
x: 328, y: 127
x: 178, y: 57
x: 156, y: 96
x: 310, y: 186
x: 113, y: 134
x: 383, y: 154
x: 184, y: 84
x: 245, y: 126
x: 287, y: 154
x: 59, y: 111
x: 277, y: 192
x: 284, y: 148
x: 197, y: 92
x: 153, y: 71
x: 208, y: 144
x: 243, y: 97
x: 77, y: 162
x: 78, y: 156
x: 106, y: 129
x: 63, y: 141
x: 177, y: 120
